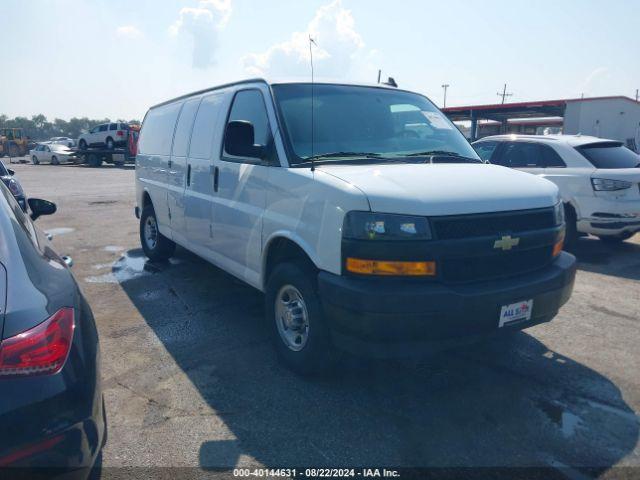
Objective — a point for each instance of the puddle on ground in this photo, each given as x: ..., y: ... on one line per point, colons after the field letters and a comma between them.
x: 128, y: 267
x: 60, y: 231
x: 561, y: 417
x: 102, y: 266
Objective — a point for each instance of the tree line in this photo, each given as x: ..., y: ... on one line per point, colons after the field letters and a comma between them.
x: 38, y: 128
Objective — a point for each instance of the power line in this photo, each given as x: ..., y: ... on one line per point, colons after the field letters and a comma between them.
x: 504, y: 93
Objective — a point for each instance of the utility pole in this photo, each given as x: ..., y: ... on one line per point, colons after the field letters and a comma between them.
x: 379, y: 73
x: 504, y: 93
x: 637, y: 95
x: 445, y: 86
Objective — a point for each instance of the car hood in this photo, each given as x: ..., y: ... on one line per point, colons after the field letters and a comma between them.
x: 445, y: 189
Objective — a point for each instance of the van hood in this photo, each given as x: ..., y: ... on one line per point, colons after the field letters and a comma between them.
x: 446, y: 189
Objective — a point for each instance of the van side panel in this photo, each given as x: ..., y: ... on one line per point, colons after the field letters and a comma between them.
x: 178, y: 170
x: 198, y: 198
x: 152, y: 160
x: 309, y: 208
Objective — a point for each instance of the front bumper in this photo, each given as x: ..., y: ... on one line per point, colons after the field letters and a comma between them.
x: 394, y: 317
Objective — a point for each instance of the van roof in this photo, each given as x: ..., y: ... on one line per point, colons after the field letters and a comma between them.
x: 278, y: 81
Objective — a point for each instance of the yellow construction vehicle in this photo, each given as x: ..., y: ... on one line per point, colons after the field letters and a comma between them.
x: 13, y: 142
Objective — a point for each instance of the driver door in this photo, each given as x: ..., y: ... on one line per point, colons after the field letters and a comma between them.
x: 240, y: 191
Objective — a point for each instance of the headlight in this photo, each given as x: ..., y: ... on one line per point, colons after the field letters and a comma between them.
x: 607, y: 185
x: 385, y: 226
x: 15, y: 188
x: 558, y: 211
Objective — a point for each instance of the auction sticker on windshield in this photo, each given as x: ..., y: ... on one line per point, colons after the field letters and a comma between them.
x: 437, y: 120
x: 515, y: 312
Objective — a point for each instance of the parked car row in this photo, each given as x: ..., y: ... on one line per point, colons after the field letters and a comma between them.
x: 598, y: 179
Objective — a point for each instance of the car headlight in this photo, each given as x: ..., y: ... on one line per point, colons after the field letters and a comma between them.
x: 558, y: 212
x: 15, y: 188
x: 385, y: 226
x: 608, y: 185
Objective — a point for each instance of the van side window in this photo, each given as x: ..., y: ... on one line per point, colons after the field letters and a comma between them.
x: 159, y: 125
x: 249, y: 106
x: 204, y: 127
x: 113, y: 126
x: 183, y: 128
x: 103, y: 128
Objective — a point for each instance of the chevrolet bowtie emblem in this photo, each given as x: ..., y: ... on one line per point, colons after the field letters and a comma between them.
x: 506, y: 242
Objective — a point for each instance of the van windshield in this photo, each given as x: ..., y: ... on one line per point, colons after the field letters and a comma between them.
x: 375, y: 125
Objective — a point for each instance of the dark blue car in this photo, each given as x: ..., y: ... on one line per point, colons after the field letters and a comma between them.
x: 51, y: 405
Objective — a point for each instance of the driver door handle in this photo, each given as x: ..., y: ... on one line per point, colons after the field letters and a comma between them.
x: 216, y: 175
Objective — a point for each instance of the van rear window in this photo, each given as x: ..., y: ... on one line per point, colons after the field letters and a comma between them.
x: 610, y: 155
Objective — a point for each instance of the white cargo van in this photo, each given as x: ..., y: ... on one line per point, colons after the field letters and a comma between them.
x: 371, y: 226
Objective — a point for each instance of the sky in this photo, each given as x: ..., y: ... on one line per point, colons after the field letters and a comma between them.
x: 116, y: 58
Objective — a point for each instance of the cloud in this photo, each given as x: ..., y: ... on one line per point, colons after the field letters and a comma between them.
x: 203, y: 23
x: 339, y: 48
x: 129, y: 32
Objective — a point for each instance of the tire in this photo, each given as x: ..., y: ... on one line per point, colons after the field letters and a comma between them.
x: 94, y: 160
x: 109, y: 143
x: 156, y: 246
x: 82, y: 145
x: 306, y: 349
x: 35, y: 160
x: 615, y: 239
x: 571, y: 233
x: 54, y: 160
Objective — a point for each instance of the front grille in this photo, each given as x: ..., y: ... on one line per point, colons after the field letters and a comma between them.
x: 504, y: 264
x: 490, y: 224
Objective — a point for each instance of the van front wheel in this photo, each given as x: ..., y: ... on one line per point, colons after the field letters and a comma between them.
x: 296, y: 321
x: 155, y: 245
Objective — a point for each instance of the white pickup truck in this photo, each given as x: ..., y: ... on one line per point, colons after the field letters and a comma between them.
x: 363, y: 214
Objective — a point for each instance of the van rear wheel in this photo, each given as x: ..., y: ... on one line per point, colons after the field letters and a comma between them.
x: 295, y: 320
x: 156, y: 246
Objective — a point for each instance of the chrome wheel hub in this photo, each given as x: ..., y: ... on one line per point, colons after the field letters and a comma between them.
x: 292, y: 318
x: 151, y: 232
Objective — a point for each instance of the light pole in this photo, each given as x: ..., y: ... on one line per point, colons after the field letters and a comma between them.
x: 445, y: 86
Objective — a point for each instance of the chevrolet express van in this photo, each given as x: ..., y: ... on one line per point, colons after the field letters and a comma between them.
x: 361, y: 212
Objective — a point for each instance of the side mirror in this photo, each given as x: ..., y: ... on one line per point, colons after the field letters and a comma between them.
x: 41, y: 207
x: 11, y: 172
x: 239, y: 138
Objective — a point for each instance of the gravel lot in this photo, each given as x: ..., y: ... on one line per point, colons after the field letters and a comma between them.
x: 191, y: 381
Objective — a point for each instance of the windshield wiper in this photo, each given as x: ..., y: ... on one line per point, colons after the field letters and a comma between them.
x: 336, y: 157
x: 443, y: 153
